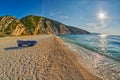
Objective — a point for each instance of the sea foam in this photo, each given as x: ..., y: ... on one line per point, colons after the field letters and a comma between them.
x: 99, y: 65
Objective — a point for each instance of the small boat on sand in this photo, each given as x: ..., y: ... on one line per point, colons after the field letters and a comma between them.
x: 28, y: 43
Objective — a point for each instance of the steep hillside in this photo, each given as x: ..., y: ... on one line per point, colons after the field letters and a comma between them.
x: 10, y: 25
x: 42, y: 25
x: 34, y: 25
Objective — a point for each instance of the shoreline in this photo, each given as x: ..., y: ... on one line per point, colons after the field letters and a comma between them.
x: 97, y: 64
x: 49, y: 59
x: 87, y: 74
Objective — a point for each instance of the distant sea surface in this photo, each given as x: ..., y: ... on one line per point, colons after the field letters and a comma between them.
x: 108, y: 45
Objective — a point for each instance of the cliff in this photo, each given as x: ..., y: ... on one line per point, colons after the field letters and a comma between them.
x: 10, y: 25
x: 42, y: 25
x: 34, y: 25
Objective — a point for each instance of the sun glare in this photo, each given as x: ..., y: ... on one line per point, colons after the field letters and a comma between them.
x: 101, y: 15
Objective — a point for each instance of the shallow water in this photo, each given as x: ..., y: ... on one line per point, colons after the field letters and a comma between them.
x: 107, y: 45
x: 99, y: 54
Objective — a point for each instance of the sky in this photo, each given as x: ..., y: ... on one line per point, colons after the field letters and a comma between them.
x: 84, y: 14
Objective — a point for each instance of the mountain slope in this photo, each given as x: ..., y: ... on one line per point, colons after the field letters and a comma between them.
x: 42, y: 25
x: 34, y: 25
x: 10, y: 25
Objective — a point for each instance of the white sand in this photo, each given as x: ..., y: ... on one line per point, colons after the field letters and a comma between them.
x: 49, y: 59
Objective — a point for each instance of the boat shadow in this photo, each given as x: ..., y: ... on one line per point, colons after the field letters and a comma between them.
x: 15, y: 48
x: 22, y: 44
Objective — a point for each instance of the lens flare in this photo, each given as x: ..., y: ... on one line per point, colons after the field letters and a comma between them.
x: 101, y: 15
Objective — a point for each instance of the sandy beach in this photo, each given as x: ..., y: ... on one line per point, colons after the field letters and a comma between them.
x: 49, y: 59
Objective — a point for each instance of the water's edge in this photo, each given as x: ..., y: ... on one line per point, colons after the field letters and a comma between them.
x: 106, y: 45
x: 99, y: 65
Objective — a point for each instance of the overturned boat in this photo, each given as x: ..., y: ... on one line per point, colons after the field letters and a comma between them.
x: 27, y: 43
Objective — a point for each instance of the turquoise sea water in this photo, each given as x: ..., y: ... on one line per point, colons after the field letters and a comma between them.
x: 107, y: 45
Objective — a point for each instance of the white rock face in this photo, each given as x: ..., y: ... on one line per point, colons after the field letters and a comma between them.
x: 34, y: 25
x: 10, y: 25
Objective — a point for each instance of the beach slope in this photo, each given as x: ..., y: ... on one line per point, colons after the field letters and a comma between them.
x: 49, y: 59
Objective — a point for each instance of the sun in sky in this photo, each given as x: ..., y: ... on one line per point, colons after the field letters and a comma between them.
x: 101, y: 16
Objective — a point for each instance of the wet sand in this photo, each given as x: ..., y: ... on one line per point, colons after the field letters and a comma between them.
x: 49, y: 59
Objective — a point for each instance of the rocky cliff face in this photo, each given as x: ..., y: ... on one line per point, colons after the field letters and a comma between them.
x: 10, y: 25
x: 34, y: 25
x: 42, y: 25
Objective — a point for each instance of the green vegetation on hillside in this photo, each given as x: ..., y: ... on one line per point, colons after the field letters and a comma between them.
x: 34, y: 25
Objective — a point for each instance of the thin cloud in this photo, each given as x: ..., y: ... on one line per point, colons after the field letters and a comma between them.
x: 52, y: 14
x: 64, y: 17
x: 101, y: 24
